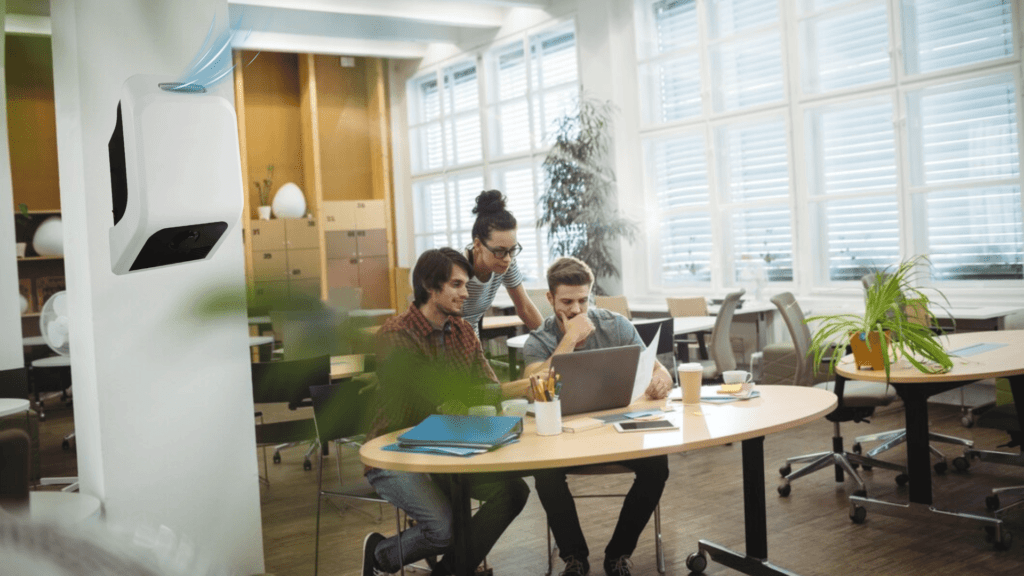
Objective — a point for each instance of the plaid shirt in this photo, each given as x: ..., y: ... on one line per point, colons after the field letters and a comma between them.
x: 409, y: 352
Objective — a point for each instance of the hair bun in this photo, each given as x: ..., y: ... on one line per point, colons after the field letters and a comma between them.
x: 489, y: 201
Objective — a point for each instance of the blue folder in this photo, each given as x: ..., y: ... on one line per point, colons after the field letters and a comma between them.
x: 486, y: 432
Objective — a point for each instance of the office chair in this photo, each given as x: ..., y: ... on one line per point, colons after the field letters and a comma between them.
x: 665, y: 344
x: 600, y: 469
x: 688, y: 307
x: 287, y: 382
x: 617, y: 304
x: 857, y: 402
x: 892, y: 438
x: 999, y: 418
x: 722, y: 358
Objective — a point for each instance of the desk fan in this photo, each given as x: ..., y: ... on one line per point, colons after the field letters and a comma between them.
x: 53, y: 323
x: 53, y: 326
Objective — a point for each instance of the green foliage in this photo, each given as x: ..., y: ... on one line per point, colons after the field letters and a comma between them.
x: 264, y: 187
x: 575, y: 205
x: 886, y: 306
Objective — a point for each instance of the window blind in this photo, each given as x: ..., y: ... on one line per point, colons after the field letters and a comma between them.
x: 756, y: 161
x: 958, y: 142
x: 747, y: 72
x: 765, y: 234
x: 862, y: 235
x: 462, y: 107
x: 942, y: 34
x: 846, y: 48
x: 518, y: 183
x: 975, y: 234
x: 685, y: 248
x: 734, y: 16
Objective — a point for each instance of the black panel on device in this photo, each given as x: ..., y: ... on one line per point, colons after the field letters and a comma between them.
x: 179, y: 244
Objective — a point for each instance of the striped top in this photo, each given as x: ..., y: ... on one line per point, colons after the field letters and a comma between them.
x: 481, y: 294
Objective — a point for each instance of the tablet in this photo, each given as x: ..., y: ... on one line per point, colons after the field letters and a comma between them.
x: 644, y: 425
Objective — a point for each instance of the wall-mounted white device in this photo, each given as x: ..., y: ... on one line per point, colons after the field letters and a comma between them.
x: 175, y: 174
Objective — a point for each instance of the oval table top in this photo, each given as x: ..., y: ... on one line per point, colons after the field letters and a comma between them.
x: 10, y: 406
x: 778, y: 408
x: 1007, y: 360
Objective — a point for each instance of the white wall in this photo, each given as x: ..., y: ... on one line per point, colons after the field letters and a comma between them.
x: 163, y: 395
x: 11, y: 356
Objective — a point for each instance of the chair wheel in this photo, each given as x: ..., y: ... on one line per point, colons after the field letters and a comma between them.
x: 854, y: 465
x: 967, y: 421
x: 277, y: 458
x: 961, y: 464
x: 307, y: 465
x: 868, y: 468
x: 902, y: 479
x: 784, y: 489
x: 861, y: 493
x: 857, y: 448
x: 66, y: 445
x: 858, y: 514
x: 696, y: 562
x: 785, y: 470
x: 940, y: 467
x: 1005, y: 542
x: 992, y: 502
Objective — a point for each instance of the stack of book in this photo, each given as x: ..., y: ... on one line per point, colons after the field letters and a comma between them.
x: 453, y: 435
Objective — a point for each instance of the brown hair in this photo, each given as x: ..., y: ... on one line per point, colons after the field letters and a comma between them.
x: 569, y: 271
x: 433, y: 269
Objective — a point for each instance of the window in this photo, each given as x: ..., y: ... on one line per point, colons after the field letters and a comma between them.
x: 489, y: 127
x: 769, y: 125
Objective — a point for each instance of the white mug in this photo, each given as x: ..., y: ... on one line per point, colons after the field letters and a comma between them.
x: 737, y: 377
x: 515, y: 407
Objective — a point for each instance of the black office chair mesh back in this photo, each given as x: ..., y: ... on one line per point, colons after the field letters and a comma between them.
x: 342, y: 410
x: 289, y: 380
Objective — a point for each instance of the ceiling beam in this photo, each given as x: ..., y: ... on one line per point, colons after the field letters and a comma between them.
x: 282, y: 42
x: 460, y: 13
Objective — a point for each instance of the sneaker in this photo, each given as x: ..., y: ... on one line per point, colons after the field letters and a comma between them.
x: 575, y: 567
x: 370, y: 565
x: 620, y: 566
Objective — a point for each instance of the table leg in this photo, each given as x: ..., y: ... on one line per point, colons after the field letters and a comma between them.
x: 461, y: 515
x: 755, y: 562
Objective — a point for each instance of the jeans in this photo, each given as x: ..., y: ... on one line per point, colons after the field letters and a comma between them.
x: 426, y: 498
x: 641, y: 500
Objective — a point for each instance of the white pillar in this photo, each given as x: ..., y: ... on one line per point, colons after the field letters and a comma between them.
x: 11, y: 356
x: 163, y: 394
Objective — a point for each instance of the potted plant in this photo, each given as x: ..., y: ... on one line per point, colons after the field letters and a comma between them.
x: 264, y: 188
x: 22, y: 229
x: 575, y: 204
x: 896, y: 322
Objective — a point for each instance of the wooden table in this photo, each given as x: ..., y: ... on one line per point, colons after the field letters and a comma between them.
x: 915, y: 388
x: 779, y: 408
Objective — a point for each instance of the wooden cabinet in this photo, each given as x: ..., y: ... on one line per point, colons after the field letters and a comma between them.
x: 356, y: 249
x: 39, y: 277
x: 286, y: 257
x: 325, y: 127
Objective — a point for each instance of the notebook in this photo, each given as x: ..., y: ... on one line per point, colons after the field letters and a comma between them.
x: 596, y: 379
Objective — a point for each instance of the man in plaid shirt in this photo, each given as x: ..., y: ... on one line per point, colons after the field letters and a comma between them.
x: 430, y: 357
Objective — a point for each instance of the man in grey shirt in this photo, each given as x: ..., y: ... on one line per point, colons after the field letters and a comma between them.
x: 576, y: 326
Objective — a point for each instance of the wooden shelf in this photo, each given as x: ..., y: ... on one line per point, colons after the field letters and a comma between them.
x: 26, y: 258
x: 31, y: 315
x: 54, y: 212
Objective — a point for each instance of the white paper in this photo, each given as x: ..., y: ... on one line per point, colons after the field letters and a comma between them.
x: 645, y: 367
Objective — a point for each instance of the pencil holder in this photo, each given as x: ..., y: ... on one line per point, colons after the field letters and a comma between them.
x: 549, y: 417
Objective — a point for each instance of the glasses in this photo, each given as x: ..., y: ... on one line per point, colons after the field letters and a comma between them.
x: 502, y: 253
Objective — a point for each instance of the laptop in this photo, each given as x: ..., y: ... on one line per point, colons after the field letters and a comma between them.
x: 597, y: 379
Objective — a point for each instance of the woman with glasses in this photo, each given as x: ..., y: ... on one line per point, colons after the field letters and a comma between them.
x: 493, y: 257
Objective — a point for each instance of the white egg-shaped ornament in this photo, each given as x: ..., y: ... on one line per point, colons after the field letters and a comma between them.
x: 49, y: 237
x: 289, y: 202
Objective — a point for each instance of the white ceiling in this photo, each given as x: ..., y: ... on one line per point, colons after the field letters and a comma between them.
x: 386, y: 28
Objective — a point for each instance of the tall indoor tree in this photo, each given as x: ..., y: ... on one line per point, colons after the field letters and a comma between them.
x: 576, y: 204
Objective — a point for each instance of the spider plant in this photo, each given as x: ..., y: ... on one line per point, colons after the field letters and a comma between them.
x: 898, y: 312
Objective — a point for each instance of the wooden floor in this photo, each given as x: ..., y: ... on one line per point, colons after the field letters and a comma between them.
x: 809, y: 532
